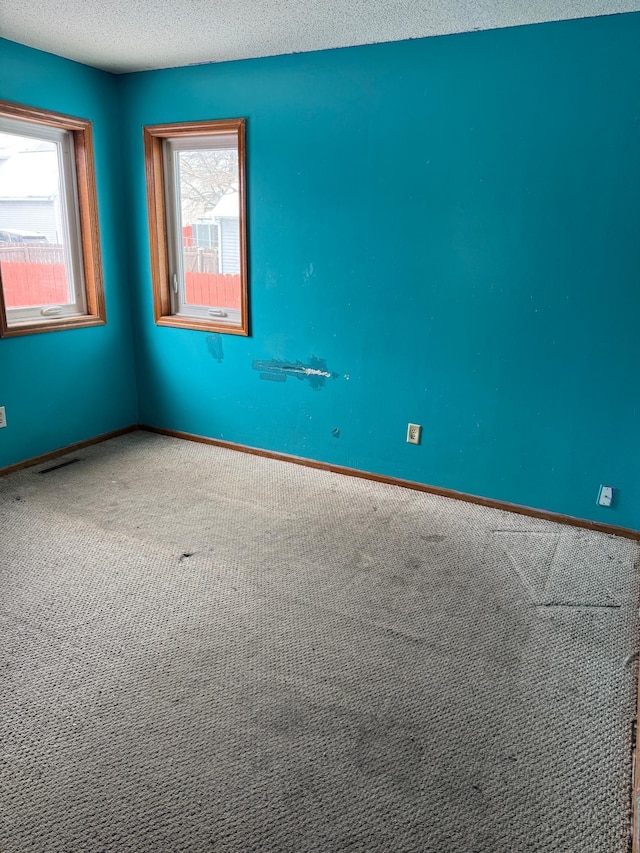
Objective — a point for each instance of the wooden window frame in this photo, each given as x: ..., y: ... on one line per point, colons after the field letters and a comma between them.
x: 91, y: 262
x: 154, y: 136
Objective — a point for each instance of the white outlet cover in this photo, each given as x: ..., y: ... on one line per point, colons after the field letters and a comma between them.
x: 3, y: 417
x: 414, y: 431
x: 605, y: 495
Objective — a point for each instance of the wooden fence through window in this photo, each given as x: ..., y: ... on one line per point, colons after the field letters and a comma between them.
x: 27, y: 281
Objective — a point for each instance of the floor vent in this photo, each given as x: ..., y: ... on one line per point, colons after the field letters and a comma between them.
x: 59, y: 465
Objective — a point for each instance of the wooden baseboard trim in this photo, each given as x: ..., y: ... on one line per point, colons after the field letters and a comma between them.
x: 69, y: 448
x: 405, y: 484
x: 336, y: 469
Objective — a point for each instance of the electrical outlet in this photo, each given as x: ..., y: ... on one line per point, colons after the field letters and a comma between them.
x: 605, y: 495
x: 3, y: 417
x: 414, y: 432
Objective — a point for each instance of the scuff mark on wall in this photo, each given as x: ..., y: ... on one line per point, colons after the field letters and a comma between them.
x: 335, y: 432
x: 277, y: 370
x: 214, y: 345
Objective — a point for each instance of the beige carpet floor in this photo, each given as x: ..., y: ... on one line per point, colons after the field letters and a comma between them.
x: 202, y: 650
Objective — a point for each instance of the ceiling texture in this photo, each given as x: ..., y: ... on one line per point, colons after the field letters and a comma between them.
x: 138, y: 35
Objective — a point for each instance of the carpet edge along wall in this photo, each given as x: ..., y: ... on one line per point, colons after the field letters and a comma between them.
x: 530, y: 512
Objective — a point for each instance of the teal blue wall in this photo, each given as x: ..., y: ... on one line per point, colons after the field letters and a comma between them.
x: 453, y: 226
x: 63, y: 387
x: 450, y: 225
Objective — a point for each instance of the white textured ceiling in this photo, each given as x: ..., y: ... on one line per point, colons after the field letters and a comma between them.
x: 135, y: 35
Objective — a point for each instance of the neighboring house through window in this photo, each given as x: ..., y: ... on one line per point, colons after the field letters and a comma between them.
x: 50, y: 264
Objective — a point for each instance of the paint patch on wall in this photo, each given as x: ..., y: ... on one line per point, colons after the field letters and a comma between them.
x: 214, y: 345
x: 277, y: 370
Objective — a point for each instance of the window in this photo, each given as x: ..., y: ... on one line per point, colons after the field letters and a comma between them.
x: 197, y: 224
x: 50, y: 265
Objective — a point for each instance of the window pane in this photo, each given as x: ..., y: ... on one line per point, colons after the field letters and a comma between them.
x: 34, y: 247
x: 208, y: 186
x: 196, y: 199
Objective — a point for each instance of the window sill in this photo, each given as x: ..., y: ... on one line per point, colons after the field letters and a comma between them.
x: 29, y: 327
x: 201, y: 325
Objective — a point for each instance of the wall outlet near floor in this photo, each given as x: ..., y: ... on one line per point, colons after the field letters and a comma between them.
x: 605, y: 495
x: 3, y: 417
x: 414, y: 431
